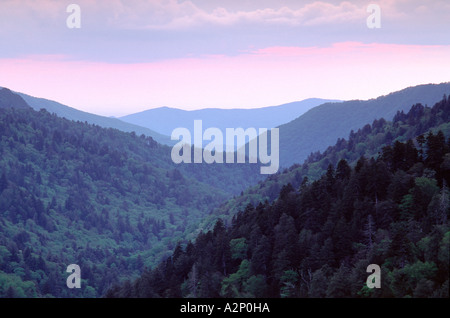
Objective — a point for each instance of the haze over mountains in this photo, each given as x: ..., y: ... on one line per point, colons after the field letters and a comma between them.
x: 305, y: 127
x: 366, y: 142
x: 321, y: 126
x: 78, y: 115
x: 114, y: 202
x: 165, y: 119
x: 111, y: 202
x: 380, y: 197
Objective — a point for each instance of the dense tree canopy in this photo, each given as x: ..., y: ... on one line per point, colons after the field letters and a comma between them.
x: 110, y: 201
x: 116, y: 205
x: 317, y: 240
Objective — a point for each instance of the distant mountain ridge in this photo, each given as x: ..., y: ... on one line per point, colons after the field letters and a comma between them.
x: 380, y: 197
x: 366, y: 142
x: 321, y: 126
x: 78, y: 115
x: 165, y: 119
x: 105, y: 198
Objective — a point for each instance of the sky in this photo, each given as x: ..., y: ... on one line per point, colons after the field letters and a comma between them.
x: 131, y: 55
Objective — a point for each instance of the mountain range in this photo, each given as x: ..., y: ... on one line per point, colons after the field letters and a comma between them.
x: 165, y: 119
x: 319, y: 123
x: 321, y: 126
x: 114, y: 203
x: 305, y: 127
x: 110, y: 201
x: 78, y: 115
x: 367, y: 142
x: 319, y: 238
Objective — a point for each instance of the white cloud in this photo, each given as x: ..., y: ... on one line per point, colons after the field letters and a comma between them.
x: 182, y: 14
x: 208, y: 26
x: 186, y: 14
x: 172, y: 14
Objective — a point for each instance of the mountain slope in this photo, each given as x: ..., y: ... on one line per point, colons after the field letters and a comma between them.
x: 10, y: 100
x: 111, y: 202
x: 323, y: 125
x: 317, y: 240
x: 77, y: 115
x: 367, y: 141
x: 165, y: 119
x: 76, y: 193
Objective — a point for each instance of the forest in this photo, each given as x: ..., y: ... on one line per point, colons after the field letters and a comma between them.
x: 141, y: 226
x: 109, y: 201
x: 368, y: 141
x: 317, y: 238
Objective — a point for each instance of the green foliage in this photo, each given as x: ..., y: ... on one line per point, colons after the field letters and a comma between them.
x: 255, y: 287
x: 12, y: 286
x: 414, y: 280
x: 289, y: 284
x: 109, y: 201
x: 324, y: 124
x: 387, y: 138
x: 116, y: 205
x: 238, y: 248
x: 232, y: 286
x: 318, y: 241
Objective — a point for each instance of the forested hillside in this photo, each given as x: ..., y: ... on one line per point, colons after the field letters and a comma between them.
x: 321, y: 126
x: 317, y: 237
x: 317, y: 240
x: 71, y: 113
x: 367, y: 141
x: 109, y: 201
x: 115, y: 204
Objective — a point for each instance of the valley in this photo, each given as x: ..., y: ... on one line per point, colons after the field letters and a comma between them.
x: 140, y: 225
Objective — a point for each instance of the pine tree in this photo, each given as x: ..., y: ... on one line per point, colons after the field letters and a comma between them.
x: 285, y: 245
x: 435, y: 150
x: 343, y: 170
x: 369, y: 232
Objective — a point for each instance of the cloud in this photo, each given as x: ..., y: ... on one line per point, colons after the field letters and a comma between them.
x: 147, y: 30
x: 27, y: 15
x: 173, y: 15
x: 345, y: 49
x: 177, y: 15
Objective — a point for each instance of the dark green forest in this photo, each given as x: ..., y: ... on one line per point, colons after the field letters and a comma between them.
x: 367, y: 141
x: 139, y: 225
x: 317, y: 238
x: 109, y: 201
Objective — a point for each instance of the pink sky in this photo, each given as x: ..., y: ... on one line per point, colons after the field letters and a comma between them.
x: 129, y: 56
x: 264, y: 77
